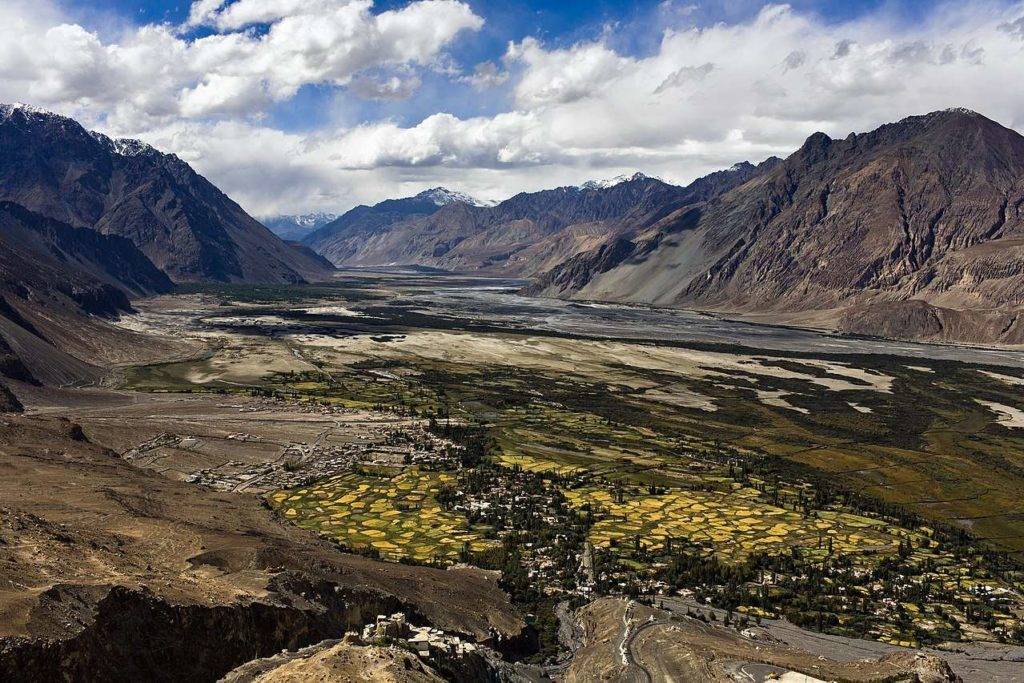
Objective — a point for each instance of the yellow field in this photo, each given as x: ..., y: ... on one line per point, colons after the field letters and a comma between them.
x: 736, y: 524
x: 396, y: 515
x: 531, y: 464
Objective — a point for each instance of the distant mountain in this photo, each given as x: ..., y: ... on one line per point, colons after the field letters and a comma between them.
x: 294, y: 228
x: 914, y: 230
x: 443, y: 197
x: 521, y: 236
x: 339, y: 239
x: 186, y: 226
x: 56, y: 284
x: 612, y: 182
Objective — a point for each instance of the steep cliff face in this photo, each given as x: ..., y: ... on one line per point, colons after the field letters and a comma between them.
x: 926, y: 210
x: 41, y: 252
x: 133, y: 635
x: 186, y: 226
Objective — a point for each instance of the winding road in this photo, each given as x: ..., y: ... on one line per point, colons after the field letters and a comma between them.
x: 629, y: 636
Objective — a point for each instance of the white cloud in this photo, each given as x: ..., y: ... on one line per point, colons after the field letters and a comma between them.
x: 155, y: 71
x: 393, y: 87
x: 701, y: 99
x: 718, y: 94
x: 486, y: 75
x: 563, y: 76
x: 203, y: 11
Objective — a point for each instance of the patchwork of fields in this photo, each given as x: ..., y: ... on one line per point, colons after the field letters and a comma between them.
x: 851, y: 465
x: 396, y: 516
x: 735, y: 525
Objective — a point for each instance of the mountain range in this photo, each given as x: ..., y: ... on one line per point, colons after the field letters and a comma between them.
x: 88, y: 223
x: 522, y: 236
x: 188, y: 228
x: 914, y: 230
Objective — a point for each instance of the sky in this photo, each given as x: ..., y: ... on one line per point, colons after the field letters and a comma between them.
x: 292, y: 106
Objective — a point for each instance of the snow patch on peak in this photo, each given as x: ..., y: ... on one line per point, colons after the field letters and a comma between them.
x: 612, y: 182
x: 741, y: 166
x: 962, y: 110
x: 941, y: 114
x: 313, y: 219
x: 131, y: 148
x: 8, y: 110
x: 124, y: 147
x: 442, y: 197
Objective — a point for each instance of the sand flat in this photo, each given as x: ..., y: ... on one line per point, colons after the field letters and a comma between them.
x: 1007, y: 416
x: 604, y: 359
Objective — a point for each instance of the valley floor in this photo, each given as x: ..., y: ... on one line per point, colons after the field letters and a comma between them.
x: 864, y: 489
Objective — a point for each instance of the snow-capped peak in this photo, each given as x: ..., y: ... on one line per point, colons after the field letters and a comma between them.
x: 442, y: 197
x: 314, y: 219
x: 612, y: 182
x: 962, y: 110
x: 7, y: 110
x: 124, y: 147
x: 740, y: 166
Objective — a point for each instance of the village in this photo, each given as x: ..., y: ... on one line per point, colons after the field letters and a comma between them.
x: 389, y: 483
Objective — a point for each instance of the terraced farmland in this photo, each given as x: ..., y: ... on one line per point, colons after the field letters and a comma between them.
x: 396, y: 515
x: 736, y: 525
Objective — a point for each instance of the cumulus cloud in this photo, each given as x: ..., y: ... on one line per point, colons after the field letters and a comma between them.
x: 734, y: 91
x: 486, y: 75
x: 158, y: 71
x: 684, y: 75
x: 563, y: 76
x: 702, y: 98
x: 202, y: 11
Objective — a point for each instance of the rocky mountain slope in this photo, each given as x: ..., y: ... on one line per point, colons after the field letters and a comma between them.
x: 57, y: 284
x: 179, y: 220
x: 521, y: 236
x: 914, y: 230
x: 342, y: 240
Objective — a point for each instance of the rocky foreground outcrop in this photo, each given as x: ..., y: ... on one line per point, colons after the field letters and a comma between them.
x: 338, y: 662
